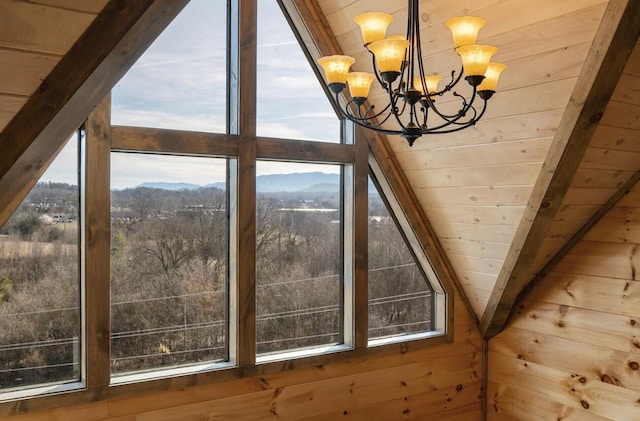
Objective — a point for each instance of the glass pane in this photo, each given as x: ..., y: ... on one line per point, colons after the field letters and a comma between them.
x: 290, y: 100
x: 298, y: 258
x: 39, y: 281
x: 180, y: 81
x: 400, y: 297
x: 168, y: 261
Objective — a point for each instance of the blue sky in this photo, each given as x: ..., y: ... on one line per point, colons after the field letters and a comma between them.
x: 180, y: 82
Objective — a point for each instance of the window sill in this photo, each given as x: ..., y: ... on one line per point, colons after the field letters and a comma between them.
x: 42, y: 390
x: 126, y: 378
x: 302, y: 353
x: 405, y: 338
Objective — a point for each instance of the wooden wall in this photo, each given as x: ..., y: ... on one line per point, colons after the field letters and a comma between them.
x: 572, y: 349
x: 441, y: 382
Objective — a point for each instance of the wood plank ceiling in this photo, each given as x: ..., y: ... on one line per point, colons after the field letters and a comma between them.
x: 28, y: 47
x: 475, y: 185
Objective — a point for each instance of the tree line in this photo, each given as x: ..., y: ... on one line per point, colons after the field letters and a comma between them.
x: 169, y: 279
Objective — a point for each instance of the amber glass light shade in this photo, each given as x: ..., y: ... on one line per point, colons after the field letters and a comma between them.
x: 359, y: 84
x: 373, y: 26
x: 491, y: 77
x: 475, y: 58
x: 464, y: 29
x: 432, y: 82
x: 389, y: 54
x: 336, y: 67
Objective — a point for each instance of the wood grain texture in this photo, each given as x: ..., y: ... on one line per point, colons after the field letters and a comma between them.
x: 172, y: 141
x: 37, y: 28
x: 300, y: 150
x: 89, y: 6
x: 246, y: 99
x: 361, y: 244
x: 98, y: 244
x: 618, y: 33
x: 574, y: 340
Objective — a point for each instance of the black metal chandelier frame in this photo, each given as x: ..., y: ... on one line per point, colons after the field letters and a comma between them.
x: 403, y: 95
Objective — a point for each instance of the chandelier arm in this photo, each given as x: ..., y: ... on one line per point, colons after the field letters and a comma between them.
x: 375, y: 127
x: 364, y: 120
x: 413, y: 42
x: 460, y: 125
x: 425, y: 115
x: 454, y: 81
x: 395, y: 113
x: 366, y: 115
x: 455, y: 117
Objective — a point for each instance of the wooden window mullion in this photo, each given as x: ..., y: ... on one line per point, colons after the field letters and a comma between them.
x: 97, y: 228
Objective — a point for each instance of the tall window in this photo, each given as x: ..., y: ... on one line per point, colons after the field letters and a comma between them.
x: 299, y: 251
x: 169, y: 229
x: 168, y: 261
x: 40, y: 281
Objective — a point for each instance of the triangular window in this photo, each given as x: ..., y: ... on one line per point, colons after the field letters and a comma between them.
x: 403, y: 290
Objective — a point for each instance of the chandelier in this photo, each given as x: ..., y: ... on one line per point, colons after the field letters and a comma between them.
x: 410, y: 109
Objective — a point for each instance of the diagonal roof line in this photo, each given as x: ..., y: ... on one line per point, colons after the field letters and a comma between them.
x: 614, y: 41
x: 312, y: 17
x: 84, y: 76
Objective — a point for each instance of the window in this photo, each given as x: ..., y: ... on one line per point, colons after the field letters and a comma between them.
x: 40, y: 341
x: 168, y: 261
x: 185, y: 294
x: 406, y: 299
x: 299, y: 254
x: 400, y: 297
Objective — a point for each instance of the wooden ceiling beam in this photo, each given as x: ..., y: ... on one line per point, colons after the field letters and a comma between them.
x: 104, y: 52
x: 311, y: 16
x: 614, y: 41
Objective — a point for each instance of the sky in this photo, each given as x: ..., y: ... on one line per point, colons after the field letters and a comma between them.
x: 180, y: 82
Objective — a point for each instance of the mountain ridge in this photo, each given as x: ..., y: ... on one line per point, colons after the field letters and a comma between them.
x: 271, y: 183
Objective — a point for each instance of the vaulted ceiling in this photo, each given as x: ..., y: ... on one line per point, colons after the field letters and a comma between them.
x: 559, y: 145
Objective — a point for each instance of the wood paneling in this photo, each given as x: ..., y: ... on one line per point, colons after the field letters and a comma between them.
x: 574, y: 341
x: 37, y: 28
x: 590, y: 103
x: 90, y: 6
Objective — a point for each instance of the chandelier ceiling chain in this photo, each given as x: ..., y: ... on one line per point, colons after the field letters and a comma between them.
x: 398, y: 67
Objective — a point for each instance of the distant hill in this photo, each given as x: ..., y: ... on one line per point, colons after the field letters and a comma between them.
x: 322, y: 187
x: 296, y: 182
x: 168, y: 186
x: 273, y: 183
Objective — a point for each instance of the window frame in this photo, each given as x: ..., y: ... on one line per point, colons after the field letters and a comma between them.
x: 244, y: 147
